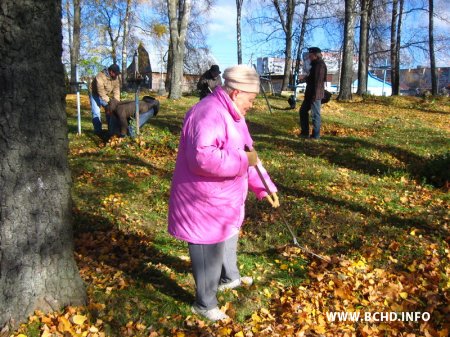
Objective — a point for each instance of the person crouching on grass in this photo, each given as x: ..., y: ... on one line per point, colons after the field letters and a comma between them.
x: 213, y: 173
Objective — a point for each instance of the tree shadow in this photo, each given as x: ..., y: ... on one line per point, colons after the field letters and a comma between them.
x: 343, y: 152
x: 389, y: 219
x: 170, y: 122
x: 133, y: 254
x: 388, y: 101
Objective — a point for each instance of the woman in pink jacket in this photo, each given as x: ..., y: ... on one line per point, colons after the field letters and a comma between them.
x: 213, y: 173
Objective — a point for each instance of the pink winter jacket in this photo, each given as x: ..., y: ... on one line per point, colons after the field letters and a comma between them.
x: 212, y: 175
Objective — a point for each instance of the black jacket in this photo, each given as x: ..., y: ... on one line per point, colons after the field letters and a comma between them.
x: 315, y: 81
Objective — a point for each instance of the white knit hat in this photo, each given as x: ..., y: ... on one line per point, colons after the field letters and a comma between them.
x: 242, y: 77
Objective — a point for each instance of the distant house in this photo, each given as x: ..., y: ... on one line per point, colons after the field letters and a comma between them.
x: 375, y: 86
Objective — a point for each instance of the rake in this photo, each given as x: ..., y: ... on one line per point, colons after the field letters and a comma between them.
x: 286, y: 224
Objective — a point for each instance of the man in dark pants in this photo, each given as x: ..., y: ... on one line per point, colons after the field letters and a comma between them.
x: 313, y: 94
x: 209, y: 81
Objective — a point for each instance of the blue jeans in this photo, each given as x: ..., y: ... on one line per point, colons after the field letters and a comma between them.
x: 314, y: 106
x: 96, y: 104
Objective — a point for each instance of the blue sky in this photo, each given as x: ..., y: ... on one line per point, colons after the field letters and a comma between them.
x: 222, y: 36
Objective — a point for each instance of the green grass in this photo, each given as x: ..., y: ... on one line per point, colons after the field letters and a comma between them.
x: 362, y: 184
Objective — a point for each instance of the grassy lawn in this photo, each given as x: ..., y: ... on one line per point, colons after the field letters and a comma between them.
x: 370, y: 195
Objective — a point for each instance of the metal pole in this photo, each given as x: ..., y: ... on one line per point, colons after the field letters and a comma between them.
x: 78, y: 100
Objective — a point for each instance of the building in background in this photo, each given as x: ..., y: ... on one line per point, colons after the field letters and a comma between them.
x: 375, y: 86
x: 413, y: 81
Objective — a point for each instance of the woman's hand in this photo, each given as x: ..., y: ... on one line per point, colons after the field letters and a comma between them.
x: 252, y: 157
x: 273, y: 199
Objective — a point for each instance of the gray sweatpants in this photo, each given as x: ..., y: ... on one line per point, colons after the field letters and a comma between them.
x: 213, y: 264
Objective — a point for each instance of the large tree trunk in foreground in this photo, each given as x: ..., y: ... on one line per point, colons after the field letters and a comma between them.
x: 345, y: 89
x: 179, y: 12
x: 37, y: 267
x: 434, y: 85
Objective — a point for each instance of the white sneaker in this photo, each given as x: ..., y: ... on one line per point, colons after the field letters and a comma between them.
x: 246, y: 280
x: 214, y: 314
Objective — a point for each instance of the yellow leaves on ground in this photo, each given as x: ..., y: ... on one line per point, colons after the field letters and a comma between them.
x: 71, y: 322
x: 79, y: 319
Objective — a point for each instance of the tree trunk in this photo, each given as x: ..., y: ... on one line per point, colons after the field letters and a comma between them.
x: 169, y: 68
x: 178, y: 20
x: 37, y: 268
x: 396, y: 82
x: 124, y: 44
x: 434, y: 85
x: 394, y: 43
x: 75, y: 44
x: 238, y: 30
x: 363, y: 48
x: 301, y: 39
x: 345, y: 89
x: 286, y: 24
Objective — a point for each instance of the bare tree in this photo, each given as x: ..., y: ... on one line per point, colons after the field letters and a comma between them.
x: 37, y: 266
x: 179, y: 12
x: 396, y: 20
x: 74, y: 35
x: 345, y: 90
x: 301, y: 38
x: 238, y: 29
x: 126, y: 32
x: 434, y: 87
x: 363, y: 60
x: 286, y: 16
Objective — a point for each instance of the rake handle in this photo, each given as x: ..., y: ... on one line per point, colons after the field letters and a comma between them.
x: 294, y: 238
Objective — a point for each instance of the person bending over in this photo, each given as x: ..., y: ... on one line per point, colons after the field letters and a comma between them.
x: 104, y: 85
x: 215, y: 168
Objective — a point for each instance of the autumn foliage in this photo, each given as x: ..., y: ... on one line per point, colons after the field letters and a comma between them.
x: 358, y: 197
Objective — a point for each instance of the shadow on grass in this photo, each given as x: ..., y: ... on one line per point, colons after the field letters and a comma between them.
x: 133, y: 254
x: 383, y: 219
x: 405, y: 104
x: 343, y: 152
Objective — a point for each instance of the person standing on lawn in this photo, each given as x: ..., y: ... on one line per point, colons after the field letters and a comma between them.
x: 209, y: 81
x: 314, y: 93
x: 215, y: 168
x: 106, y: 83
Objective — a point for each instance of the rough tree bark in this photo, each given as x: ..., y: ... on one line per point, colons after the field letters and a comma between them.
x: 434, y: 85
x: 37, y: 267
x: 126, y: 21
x: 75, y: 45
x: 286, y: 24
x: 238, y: 30
x: 301, y: 39
x: 179, y: 12
x: 363, y: 47
x: 345, y: 88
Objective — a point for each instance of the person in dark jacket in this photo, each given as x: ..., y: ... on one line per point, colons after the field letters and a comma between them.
x: 121, y: 113
x: 209, y: 81
x: 314, y: 93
